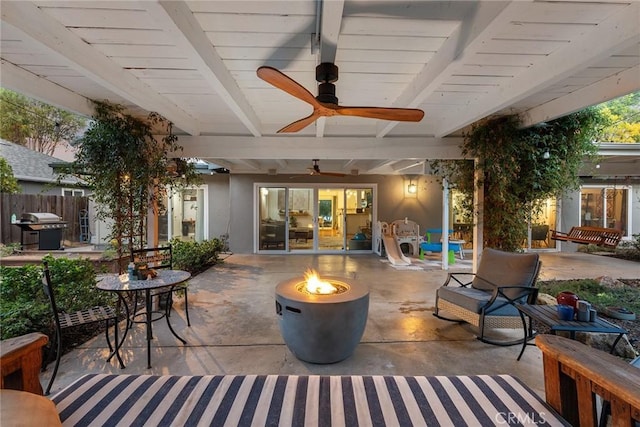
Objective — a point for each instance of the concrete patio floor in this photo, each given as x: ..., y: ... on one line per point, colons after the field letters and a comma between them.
x: 235, y: 328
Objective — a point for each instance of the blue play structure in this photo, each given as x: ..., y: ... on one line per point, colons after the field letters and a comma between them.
x: 436, y: 246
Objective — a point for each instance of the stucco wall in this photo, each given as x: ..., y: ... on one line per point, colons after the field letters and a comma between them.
x: 571, y: 213
x: 39, y: 188
x: 425, y: 208
x: 232, y: 205
x: 218, y: 202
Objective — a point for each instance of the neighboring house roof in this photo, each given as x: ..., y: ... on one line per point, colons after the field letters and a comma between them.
x: 614, y: 161
x: 32, y: 166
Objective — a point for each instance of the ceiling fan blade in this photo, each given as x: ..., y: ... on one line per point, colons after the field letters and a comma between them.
x: 276, y: 78
x: 333, y: 174
x: 298, y: 125
x: 393, y: 114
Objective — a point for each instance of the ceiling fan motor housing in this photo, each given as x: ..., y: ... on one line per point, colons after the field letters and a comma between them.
x: 326, y: 74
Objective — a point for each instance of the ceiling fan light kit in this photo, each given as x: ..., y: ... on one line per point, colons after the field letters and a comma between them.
x: 326, y: 103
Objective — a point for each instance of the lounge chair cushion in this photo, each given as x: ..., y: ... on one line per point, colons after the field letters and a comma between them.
x: 474, y: 299
x: 505, y: 269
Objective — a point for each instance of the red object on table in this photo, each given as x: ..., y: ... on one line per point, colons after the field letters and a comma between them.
x: 567, y: 298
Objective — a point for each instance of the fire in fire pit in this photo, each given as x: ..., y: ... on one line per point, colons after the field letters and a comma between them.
x: 322, y: 320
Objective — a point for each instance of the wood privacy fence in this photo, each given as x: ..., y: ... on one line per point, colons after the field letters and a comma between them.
x: 67, y: 207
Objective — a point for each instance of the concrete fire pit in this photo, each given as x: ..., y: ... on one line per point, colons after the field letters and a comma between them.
x: 322, y: 328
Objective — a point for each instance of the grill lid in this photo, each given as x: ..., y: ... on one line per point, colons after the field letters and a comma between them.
x: 40, y: 217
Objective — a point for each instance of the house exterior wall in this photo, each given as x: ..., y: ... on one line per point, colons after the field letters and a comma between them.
x: 231, y: 207
x: 425, y: 208
x: 219, y: 204
x: 571, y: 211
x: 44, y: 188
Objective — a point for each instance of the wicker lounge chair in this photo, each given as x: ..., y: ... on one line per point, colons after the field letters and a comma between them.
x: 488, y: 300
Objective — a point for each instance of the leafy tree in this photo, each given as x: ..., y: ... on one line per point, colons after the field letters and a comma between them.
x: 128, y: 169
x: 35, y: 124
x: 520, y: 168
x: 8, y: 182
x: 623, y: 117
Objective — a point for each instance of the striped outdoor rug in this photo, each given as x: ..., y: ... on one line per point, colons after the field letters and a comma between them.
x: 229, y: 400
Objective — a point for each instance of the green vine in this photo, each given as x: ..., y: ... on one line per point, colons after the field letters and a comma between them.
x: 128, y: 169
x: 520, y: 168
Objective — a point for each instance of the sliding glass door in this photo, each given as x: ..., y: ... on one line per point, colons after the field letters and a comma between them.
x: 302, y: 219
x: 358, y: 218
x: 272, y: 219
x: 331, y: 219
x: 312, y: 218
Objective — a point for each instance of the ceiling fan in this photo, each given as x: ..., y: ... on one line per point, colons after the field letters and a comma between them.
x: 315, y: 170
x: 326, y: 103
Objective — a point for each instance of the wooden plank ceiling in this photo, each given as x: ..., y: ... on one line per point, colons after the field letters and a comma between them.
x: 195, y: 63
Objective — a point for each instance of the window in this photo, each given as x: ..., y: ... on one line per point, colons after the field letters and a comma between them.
x: 72, y: 192
x: 605, y: 207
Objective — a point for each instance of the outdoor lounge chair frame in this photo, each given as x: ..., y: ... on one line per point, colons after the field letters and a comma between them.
x: 155, y: 258
x: 63, y: 321
x: 501, y: 296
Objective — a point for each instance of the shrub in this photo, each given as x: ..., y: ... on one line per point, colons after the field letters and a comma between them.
x: 24, y: 306
x: 195, y: 256
x: 591, y: 290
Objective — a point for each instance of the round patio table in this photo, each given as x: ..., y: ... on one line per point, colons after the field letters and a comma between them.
x: 165, y: 279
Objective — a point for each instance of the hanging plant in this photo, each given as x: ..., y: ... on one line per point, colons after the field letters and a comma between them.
x: 128, y: 168
x: 520, y: 169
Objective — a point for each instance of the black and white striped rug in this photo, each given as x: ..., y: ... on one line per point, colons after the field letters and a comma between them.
x: 272, y: 400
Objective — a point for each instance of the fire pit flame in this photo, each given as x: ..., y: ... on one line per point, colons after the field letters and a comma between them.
x: 314, y: 285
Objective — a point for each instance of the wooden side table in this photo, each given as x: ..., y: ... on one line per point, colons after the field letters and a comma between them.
x: 21, y: 361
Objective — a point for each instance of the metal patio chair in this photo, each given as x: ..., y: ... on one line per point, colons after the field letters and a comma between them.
x: 157, y: 258
x: 64, y: 321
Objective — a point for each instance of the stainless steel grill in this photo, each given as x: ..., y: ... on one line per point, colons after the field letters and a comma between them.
x: 46, y: 226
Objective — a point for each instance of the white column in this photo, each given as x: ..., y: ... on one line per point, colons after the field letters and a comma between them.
x: 445, y: 224
x: 478, y: 206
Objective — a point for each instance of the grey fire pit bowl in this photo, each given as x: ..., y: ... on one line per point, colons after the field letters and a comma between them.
x: 322, y: 328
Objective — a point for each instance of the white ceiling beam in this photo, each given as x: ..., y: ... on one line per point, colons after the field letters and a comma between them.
x: 249, y: 163
x: 331, y: 20
x: 330, y: 29
x: 349, y: 163
x: 616, y: 33
x: 320, y: 125
x: 282, y: 163
x: 620, y: 84
x: 490, y: 18
x: 80, y: 56
x: 406, y: 164
x: 23, y: 81
x: 176, y: 18
x: 221, y: 162
x: 339, y: 148
x: 380, y: 164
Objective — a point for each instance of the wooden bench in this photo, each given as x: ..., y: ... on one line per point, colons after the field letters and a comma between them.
x: 574, y: 374
x: 21, y: 361
x: 607, y: 237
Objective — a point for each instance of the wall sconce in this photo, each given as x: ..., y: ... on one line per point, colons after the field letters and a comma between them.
x: 412, y: 188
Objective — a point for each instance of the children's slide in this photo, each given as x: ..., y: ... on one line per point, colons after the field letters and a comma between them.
x: 394, y: 253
